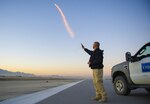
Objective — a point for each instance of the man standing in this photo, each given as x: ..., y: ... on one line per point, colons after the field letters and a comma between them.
x: 96, y: 63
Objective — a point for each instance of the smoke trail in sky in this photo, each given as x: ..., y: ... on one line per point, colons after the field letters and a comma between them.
x: 68, y: 28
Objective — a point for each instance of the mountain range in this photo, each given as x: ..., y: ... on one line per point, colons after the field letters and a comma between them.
x: 6, y: 73
x: 9, y: 73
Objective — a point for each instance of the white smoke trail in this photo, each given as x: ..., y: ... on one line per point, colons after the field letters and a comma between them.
x: 68, y: 28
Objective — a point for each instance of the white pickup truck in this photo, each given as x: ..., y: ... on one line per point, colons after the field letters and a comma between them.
x: 133, y: 73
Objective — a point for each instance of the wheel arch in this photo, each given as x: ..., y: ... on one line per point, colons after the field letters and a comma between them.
x: 118, y: 73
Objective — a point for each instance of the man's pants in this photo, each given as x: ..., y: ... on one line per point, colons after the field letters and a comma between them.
x: 98, y: 84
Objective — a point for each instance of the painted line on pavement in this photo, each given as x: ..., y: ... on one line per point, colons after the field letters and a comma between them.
x: 38, y: 96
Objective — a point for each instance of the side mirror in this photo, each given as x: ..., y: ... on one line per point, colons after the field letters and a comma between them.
x: 128, y: 56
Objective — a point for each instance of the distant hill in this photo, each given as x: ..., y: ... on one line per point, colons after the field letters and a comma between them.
x: 6, y: 73
x: 9, y: 73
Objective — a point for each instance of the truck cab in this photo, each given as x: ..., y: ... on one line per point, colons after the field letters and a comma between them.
x: 132, y: 73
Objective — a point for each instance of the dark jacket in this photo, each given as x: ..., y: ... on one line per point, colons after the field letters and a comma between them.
x: 96, y: 58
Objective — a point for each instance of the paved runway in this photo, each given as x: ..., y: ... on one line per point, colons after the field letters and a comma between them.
x: 82, y: 93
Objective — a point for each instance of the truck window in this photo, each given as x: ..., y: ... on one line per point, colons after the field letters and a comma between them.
x: 144, y: 52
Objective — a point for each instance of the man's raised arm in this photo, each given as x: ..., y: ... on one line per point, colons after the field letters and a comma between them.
x: 86, y: 50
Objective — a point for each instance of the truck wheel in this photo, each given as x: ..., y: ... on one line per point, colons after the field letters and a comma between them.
x: 121, y: 86
x: 148, y: 90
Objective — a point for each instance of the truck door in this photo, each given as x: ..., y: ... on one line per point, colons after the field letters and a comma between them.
x: 140, y: 68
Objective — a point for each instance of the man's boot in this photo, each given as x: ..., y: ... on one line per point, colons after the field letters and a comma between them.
x: 96, y: 98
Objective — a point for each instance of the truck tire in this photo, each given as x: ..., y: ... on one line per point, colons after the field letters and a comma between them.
x: 121, y: 86
x: 148, y: 90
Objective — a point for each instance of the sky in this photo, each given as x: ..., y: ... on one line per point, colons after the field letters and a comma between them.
x: 34, y: 40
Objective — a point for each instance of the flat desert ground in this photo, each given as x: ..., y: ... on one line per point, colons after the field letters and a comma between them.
x: 16, y: 87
